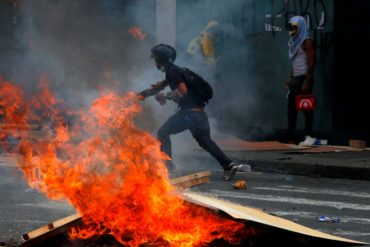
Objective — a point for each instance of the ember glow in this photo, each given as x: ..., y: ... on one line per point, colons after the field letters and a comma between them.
x: 112, y: 172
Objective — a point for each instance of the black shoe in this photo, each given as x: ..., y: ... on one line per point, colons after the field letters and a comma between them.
x: 230, y: 172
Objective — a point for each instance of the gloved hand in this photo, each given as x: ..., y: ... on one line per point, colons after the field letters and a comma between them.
x: 140, y: 96
x: 161, y: 98
x: 143, y: 94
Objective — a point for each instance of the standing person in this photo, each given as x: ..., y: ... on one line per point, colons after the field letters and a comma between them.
x: 190, y: 115
x: 204, y: 51
x: 302, y: 55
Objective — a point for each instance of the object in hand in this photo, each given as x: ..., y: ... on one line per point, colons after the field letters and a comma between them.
x: 161, y: 98
x: 140, y: 96
x: 305, y: 102
x: 145, y: 93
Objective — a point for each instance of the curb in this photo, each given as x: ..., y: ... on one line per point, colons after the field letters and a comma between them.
x: 312, y: 170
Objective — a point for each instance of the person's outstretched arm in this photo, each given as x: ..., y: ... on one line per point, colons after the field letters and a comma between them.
x: 153, y: 90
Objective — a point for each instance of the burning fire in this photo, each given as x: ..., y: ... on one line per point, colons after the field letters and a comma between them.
x: 111, y: 171
x: 137, y: 33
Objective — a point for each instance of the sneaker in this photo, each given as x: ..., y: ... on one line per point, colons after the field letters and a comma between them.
x: 308, y: 141
x: 245, y: 167
x: 230, y: 172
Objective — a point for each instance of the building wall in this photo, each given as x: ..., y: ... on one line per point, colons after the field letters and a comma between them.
x: 351, y: 100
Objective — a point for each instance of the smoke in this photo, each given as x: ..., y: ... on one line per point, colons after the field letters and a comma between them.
x: 83, y: 47
x: 236, y: 77
x: 243, y: 89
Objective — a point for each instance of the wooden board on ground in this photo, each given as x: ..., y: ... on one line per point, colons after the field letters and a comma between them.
x: 256, y: 215
x: 64, y: 224
x: 51, y: 229
x: 191, y: 180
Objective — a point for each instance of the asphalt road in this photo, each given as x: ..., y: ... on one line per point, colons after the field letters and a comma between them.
x: 303, y: 200
x: 296, y: 198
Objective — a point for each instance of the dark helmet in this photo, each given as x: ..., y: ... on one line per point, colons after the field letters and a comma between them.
x: 163, y: 54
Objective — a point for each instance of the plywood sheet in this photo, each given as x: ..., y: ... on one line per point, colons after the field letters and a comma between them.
x: 257, y: 215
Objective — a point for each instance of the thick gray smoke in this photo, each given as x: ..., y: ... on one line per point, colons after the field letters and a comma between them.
x: 81, y: 47
x: 85, y: 45
x: 244, y: 91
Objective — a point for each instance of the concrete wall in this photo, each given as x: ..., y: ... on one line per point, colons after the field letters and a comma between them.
x: 351, y: 100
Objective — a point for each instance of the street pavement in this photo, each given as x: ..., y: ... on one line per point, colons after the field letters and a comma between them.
x: 340, y: 164
x: 303, y: 200
x: 272, y: 156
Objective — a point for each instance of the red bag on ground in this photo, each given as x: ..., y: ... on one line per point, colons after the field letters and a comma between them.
x: 305, y: 102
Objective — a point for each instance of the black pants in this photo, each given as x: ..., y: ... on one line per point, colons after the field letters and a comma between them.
x: 197, y: 123
x: 295, y: 89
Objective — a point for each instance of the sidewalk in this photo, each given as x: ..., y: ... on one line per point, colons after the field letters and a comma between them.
x: 317, y: 161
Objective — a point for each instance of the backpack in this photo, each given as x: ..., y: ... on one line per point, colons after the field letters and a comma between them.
x: 201, y: 88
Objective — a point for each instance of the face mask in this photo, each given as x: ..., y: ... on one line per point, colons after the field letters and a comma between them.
x: 160, y: 66
x: 292, y: 29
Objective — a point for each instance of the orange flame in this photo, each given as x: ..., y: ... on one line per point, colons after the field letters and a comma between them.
x: 137, y: 33
x: 12, y: 108
x: 111, y: 171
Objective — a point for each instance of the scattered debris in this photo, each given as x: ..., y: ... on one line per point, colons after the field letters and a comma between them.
x: 51, y: 229
x: 328, y: 219
x: 240, y: 185
x: 191, y: 180
x: 359, y: 144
